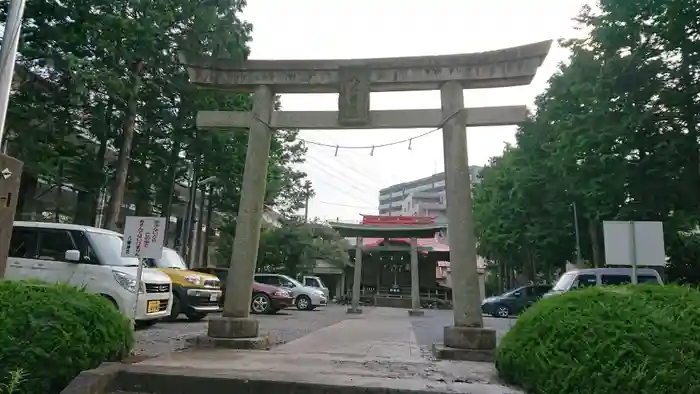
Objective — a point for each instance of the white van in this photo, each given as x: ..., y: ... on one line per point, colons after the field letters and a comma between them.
x: 578, y: 279
x: 88, y: 257
x: 316, y: 283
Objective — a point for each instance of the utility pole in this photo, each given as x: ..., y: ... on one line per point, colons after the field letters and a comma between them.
x: 8, y: 55
x: 579, y: 260
x: 307, y: 187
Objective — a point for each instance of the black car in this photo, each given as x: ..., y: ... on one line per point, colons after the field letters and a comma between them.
x: 514, y: 301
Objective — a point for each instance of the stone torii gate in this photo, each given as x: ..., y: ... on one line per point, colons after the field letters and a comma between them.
x: 354, y: 80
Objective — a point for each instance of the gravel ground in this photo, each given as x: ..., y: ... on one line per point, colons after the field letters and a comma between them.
x: 285, y: 326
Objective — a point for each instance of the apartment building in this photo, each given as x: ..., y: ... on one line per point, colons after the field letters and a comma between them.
x: 425, y: 196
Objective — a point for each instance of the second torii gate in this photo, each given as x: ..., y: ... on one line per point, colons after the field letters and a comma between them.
x: 354, y: 80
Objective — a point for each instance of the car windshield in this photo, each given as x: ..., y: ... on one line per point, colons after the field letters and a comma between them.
x: 109, y: 249
x: 170, y: 259
x: 512, y: 292
x: 314, y: 281
x: 564, y: 283
x: 294, y: 281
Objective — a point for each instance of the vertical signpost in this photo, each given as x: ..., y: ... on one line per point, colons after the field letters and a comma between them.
x: 143, y: 239
x: 634, y: 244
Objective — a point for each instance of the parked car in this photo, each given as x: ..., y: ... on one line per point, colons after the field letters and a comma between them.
x: 305, y: 297
x: 514, y: 301
x: 90, y: 258
x: 578, y: 279
x: 196, y: 294
x: 316, y: 283
x: 265, y: 299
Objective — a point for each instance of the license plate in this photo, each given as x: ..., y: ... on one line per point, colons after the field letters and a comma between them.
x: 213, y: 297
x: 153, y: 306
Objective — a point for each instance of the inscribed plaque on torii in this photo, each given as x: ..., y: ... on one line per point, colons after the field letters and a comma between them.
x: 353, y: 100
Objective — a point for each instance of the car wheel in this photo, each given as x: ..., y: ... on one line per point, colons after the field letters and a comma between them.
x: 501, y: 311
x: 174, y: 310
x: 304, y: 303
x: 195, y: 316
x: 260, y: 303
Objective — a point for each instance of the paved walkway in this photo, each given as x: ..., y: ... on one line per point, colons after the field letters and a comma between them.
x: 375, y: 349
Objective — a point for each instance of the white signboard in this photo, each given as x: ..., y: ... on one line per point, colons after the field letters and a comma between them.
x: 634, y: 244
x: 143, y: 237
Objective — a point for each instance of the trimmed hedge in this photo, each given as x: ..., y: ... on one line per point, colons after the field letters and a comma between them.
x: 53, y: 332
x: 642, y: 339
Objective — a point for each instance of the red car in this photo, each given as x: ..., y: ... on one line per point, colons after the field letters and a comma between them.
x: 266, y: 299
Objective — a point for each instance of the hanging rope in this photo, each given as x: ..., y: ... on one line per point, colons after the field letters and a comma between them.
x: 372, y: 148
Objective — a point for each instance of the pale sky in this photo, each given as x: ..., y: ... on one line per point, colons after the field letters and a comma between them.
x: 348, y: 184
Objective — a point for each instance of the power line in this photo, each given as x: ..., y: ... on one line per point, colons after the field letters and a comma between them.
x: 363, y: 192
x: 365, y: 187
x: 351, y: 165
x: 339, y: 189
x: 343, y: 205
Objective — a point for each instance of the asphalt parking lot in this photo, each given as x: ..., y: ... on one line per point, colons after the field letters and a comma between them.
x: 292, y: 324
x: 285, y: 326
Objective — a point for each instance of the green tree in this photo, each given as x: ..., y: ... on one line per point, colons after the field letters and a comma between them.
x: 110, y: 108
x: 616, y: 133
x: 295, y: 246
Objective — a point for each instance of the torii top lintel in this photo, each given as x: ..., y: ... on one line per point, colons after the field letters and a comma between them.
x: 500, y: 68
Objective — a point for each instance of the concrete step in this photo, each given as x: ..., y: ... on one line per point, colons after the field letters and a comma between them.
x: 145, y: 379
x: 164, y: 380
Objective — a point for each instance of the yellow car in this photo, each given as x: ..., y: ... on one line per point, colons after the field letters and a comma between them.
x: 195, y: 294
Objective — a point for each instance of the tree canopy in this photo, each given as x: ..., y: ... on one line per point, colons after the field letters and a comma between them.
x: 296, y: 246
x: 102, y: 106
x: 614, y: 136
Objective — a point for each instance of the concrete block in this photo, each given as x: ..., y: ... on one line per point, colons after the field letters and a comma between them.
x: 442, y: 352
x: 94, y: 381
x: 354, y: 311
x: 415, y: 312
x: 256, y: 343
x: 476, y: 338
x: 232, y: 327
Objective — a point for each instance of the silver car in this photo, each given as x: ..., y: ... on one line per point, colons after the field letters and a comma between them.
x: 305, y: 297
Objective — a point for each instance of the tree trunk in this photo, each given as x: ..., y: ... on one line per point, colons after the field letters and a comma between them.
x: 128, y: 129
x: 27, y: 192
x: 167, y: 197
x: 59, y: 192
x: 691, y: 121
x: 595, y: 244
x: 208, y: 232
x: 197, y: 260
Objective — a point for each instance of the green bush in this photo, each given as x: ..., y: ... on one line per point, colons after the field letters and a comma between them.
x: 641, y: 339
x: 53, y: 332
x: 14, y: 380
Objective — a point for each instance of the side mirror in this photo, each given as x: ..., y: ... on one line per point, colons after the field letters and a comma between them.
x: 517, y: 294
x: 72, y: 255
